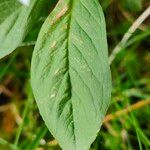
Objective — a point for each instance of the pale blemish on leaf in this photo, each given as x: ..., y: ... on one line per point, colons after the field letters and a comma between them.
x: 65, y: 27
x: 53, y: 95
x: 53, y: 44
x: 60, y: 14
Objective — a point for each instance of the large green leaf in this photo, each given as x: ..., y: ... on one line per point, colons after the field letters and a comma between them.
x: 16, y: 21
x: 70, y: 74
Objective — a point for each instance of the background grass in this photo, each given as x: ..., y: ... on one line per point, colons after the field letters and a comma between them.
x: 21, y: 126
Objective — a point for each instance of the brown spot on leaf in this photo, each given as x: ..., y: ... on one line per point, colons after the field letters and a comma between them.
x: 60, y: 14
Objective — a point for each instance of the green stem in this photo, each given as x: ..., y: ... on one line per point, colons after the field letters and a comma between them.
x: 25, y: 112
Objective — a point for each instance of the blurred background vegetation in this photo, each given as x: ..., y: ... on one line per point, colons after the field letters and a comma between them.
x: 127, y: 124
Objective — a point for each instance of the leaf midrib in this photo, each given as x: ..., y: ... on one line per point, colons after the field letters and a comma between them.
x: 68, y: 48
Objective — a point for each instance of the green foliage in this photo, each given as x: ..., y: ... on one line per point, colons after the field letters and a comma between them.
x: 6, y: 10
x: 17, y: 23
x: 70, y: 74
x: 21, y: 125
x: 132, y: 5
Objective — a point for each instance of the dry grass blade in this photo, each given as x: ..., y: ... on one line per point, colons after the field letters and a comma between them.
x: 6, y: 91
x: 129, y: 33
x: 135, y: 106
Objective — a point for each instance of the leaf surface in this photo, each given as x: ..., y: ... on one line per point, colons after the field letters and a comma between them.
x: 7, y: 7
x: 70, y: 75
x: 17, y: 21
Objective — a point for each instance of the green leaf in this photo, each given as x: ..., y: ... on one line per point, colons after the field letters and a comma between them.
x: 19, y: 19
x: 7, y: 7
x: 70, y: 75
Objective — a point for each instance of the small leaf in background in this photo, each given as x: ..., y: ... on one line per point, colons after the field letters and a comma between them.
x: 132, y: 5
x: 7, y: 7
x: 18, y: 22
x: 70, y: 74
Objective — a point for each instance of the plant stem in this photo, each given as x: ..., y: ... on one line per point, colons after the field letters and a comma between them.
x: 25, y: 112
x: 129, y: 33
x: 135, y: 106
